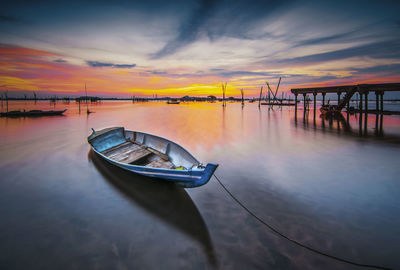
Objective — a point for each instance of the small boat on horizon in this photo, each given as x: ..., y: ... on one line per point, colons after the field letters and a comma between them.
x: 32, y: 113
x: 150, y: 155
x: 173, y: 101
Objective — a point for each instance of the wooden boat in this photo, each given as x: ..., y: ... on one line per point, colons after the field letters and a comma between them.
x: 330, y: 110
x: 173, y: 101
x: 150, y: 155
x: 31, y: 113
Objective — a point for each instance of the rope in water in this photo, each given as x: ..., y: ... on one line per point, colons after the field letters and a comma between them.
x: 294, y: 241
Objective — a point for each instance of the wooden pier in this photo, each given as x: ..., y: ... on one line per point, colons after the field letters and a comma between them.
x: 349, y: 90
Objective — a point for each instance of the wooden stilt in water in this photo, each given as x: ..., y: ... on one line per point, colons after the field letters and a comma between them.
x: 259, y: 99
x: 366, y: 114
x: 360, y: 115
x: 87, y: 102
x: 223, y: 94
x: 315, y: 102
x: 6, y: 99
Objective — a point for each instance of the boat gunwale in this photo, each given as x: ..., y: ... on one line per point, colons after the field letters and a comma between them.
x: 151, y: 168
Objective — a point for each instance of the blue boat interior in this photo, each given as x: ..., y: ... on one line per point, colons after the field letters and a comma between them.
x: 141, y: 149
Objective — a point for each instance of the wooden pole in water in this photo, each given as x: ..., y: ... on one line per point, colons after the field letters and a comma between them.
x: 259, y: 99
x: 382, y: 102
x: 376, y: 103
x: 304, y: 96
x: 6, y: 99
x: 295, y: 103
x: 223, y: 94
x: 242, y: 92
x: 366, y: 114
x: 87, y: 101
x: 323, y: 98
x: 269, y: 94
x: 315, y: 101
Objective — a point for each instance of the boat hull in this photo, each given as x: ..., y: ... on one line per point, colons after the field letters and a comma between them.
x: 33, y: 113
x: 187, y: 178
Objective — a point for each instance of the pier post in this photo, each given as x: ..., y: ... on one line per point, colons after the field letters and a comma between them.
x: 360, y: 104
x: 304, y: 96
x: 315, y: 100
x: 315, y: 104
x: 323, y: 98
x: 348, y: 112
x: 382, y: 102
x: 376, y: 113
x: 366, y: 114
x: 338, y: 97
x: 295, y: 106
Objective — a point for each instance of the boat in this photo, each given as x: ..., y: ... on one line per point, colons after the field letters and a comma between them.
x: 31, y: 113
x: 150, y: 155
x: 330, y: 110
x: 173, y: 101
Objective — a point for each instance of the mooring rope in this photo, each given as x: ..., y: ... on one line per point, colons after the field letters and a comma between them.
x: 295, y: 241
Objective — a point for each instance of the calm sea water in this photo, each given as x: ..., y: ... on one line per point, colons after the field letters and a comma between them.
x: 332, y: 185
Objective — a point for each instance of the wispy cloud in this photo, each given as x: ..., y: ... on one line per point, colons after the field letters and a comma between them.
x: 219, y: 18
x: 60, y: 61
x: 103, y: 64
x: 379, y: 50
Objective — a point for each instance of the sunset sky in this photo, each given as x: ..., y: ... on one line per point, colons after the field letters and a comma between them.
x: 186, y: 47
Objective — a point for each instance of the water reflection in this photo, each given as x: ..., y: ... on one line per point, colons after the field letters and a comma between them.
x: 164, y: 200
x: 355, y: 125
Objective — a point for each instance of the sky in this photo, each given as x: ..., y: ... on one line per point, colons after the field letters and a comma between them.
x: 189, y: 47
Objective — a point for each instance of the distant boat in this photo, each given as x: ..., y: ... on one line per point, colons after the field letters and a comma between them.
x: 173, y: 101
x: 150, y: 155
x: 330, y: 110
x: 32, y: 113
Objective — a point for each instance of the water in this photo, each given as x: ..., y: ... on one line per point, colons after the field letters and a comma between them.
x: 317, y: 181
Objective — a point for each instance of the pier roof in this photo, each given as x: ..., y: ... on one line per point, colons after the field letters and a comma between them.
x: 362, y: 88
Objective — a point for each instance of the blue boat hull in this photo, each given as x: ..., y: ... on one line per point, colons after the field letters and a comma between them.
x: 187, y: 178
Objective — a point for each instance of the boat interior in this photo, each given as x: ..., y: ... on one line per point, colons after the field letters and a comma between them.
x: 138, y: 154
x: 141, y: 149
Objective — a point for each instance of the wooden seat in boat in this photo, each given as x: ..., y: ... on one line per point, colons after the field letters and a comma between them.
x: 127, y: 152
x: 160, y: 163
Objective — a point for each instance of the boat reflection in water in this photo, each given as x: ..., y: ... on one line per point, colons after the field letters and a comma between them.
x: 163, y: 199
